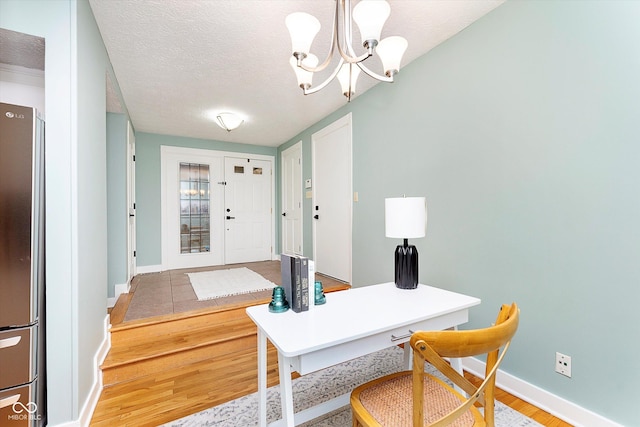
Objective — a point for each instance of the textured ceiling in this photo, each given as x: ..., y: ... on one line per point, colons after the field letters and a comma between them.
x: 21, y: 49
x: 177, y: 62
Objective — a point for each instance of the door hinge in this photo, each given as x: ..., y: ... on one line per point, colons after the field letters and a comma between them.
x: 134, y: 254
x: 134, y: 157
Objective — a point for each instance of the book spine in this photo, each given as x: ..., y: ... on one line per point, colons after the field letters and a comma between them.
x: 296, y: 285
x: 285, y: 270
x: 304, y: 283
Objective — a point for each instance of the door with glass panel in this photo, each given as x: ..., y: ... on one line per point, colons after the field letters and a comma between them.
x: 193, y: 197
x: 248, y: 210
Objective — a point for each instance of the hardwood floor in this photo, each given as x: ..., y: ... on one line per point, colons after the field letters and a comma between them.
x: 201, y: 359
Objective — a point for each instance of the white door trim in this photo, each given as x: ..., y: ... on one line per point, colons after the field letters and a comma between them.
x: 166, y: 150
x: 131, y: 203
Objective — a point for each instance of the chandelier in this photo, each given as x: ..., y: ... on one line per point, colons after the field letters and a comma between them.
x: 370, y: 16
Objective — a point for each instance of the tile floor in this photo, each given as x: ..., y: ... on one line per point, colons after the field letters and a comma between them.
x: 157, y: 294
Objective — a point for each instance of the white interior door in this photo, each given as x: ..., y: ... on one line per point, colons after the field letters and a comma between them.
x: 248, y: 210
x: 332, y: 206
x: 131, y: 203
x: 192, y: 208
x: 291, y: 195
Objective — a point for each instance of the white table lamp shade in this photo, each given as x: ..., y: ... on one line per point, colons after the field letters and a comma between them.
x: 405, y: 217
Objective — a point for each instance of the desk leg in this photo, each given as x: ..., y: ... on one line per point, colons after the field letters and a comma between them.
x: 286, y: 390
x: 262, y: 378
x: 408, y: 357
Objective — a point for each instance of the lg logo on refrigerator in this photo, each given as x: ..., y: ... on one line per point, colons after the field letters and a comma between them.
x: 11, y: 115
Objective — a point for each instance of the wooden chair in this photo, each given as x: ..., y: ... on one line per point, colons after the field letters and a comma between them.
x: 415, y: 398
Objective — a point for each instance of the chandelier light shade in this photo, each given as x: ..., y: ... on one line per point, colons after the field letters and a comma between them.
x: 406, y: 218
x: 390, y: 51
x: 304, y: 77
x: 347, y: 76
x: 370, y: 17
x: 302, y: 29
x: 228, y: 121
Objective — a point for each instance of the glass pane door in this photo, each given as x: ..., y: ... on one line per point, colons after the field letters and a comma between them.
x: 195, y: 230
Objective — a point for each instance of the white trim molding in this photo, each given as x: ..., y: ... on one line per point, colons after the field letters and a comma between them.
x: 555, y: 405
x: 145, y: 269
x: 121, y: 288
x: 84, y: 418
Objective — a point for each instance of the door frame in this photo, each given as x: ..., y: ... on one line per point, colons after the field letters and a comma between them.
x: 299, y: 190
x: 131, y: 203
x: 166, y: 150
x: 341, y: 122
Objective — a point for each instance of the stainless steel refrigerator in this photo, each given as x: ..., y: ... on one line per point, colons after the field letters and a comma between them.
x: 22, y: 331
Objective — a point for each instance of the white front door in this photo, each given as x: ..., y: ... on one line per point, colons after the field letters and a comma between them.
x: 291, y: 195
x: 131, y: 203
x: 192, y: 198
x: 248, y: 210
x: 332, y: 183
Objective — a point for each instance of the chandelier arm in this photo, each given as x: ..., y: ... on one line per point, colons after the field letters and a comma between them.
x: 388, y: 79
x: 348, y: 54
x: 312, y: 90
x: 334, y: 39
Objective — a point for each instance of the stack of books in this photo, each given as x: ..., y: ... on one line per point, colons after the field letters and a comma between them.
x: 297, y: 277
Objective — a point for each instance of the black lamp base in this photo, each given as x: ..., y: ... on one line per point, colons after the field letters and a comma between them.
x: 406, y: 266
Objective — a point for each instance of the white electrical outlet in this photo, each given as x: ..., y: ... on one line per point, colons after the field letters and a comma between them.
x: 563, y: 364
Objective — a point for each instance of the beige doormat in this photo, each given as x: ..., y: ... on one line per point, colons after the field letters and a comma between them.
x: 223, y: 283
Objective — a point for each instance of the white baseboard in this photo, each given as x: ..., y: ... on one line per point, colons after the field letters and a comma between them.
x: 148, y: 269
x: 84, y: 418
x: 120, y: 289
x: 92, y: 401
x: 555, y: 405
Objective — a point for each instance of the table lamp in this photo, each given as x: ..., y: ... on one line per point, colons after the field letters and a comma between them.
x: 406, y: 218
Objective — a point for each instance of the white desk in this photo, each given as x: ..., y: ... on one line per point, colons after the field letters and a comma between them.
x: 351, y: 324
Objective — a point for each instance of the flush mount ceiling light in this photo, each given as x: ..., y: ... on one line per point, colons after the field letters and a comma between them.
x: 228, y: 121
x: 370, y: 15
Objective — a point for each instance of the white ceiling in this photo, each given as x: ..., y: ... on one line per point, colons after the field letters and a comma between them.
x: 180, y: 61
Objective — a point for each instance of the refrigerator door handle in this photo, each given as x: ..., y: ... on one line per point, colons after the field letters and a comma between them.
x: 9, y: 342
x: 9, y: 400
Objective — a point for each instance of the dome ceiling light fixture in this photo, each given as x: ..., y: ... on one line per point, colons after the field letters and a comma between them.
x: 228, y: 121
x: 370, y: 16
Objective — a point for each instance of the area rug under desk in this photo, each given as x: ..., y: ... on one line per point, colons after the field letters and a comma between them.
x: 321, y: 386
x: 223, y: 283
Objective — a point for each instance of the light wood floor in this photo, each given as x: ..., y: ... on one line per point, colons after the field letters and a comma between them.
x: 161, y: 398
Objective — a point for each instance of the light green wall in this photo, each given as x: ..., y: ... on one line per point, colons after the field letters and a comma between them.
x: 91, y: 195
x: 148, y: 223
x: 116, y: 201
x: 522, y: 132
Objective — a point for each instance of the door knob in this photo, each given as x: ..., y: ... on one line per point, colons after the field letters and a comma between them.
x: 316, y: 216
x: 231, y: 217
x: 284, y: 214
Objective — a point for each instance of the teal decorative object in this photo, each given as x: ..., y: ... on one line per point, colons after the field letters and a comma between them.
x: 319, y: 294
x: 278, y: 302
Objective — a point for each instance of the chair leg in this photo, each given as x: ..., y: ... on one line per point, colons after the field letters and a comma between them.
x: 354, y: 422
